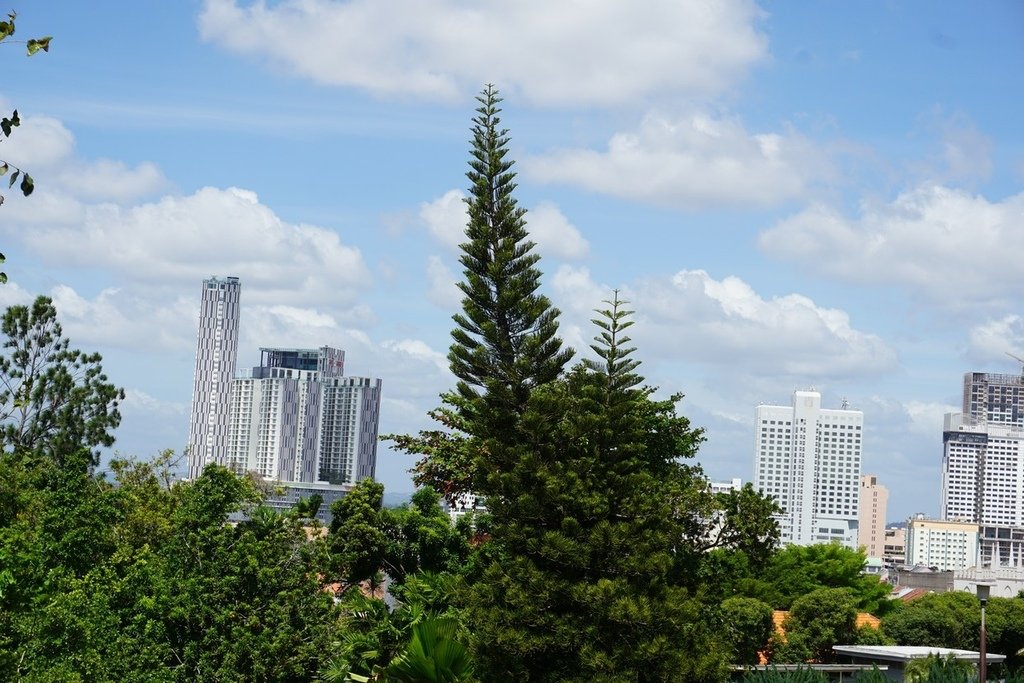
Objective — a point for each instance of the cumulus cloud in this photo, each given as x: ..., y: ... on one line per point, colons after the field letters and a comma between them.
x: 45, y: 148
x: 13, y: 294
x: 693, y: 317
x: 442, y: 290
x: 992, y: 340
x: 446, y: 217
x: 554, y: 234
x: 181, y: 240
x: 127, y: 318
x: 944, y: 245
x: 552, y: 53
x: 690, y: 162
x: 419, y: 350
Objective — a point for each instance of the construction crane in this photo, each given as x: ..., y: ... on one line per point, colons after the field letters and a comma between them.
x: 1019, y: 360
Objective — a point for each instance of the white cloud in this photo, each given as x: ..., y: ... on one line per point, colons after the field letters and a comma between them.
x: 45, y: 148
x: 136, y: 401
x: 12, y: 294
x: 690, y: 162
x: 181, y: 240
x: 446, y: 218
x: 443, y: 290
x: 690, y: 316
x: 554, y: 234
x: 418, y: 350
x: 992, y: 340
x: 944, y: 245
x: 601, y: 53
x: 926, y: 418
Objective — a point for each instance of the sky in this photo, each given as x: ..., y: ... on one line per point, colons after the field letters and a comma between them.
x: 790, y: 195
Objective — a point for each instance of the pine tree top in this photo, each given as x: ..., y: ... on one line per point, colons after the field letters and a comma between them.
x: 505, y: 339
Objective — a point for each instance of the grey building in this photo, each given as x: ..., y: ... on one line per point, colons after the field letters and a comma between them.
x: 297, y: 418
x: 216, y: 354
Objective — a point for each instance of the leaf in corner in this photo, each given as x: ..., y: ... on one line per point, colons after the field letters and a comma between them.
x: 14, y: 178
x: 3, y: 168
x: 27, y: 184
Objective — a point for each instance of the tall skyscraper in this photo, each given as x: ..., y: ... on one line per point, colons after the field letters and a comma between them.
x: 348, y: 429
x: 982, y: 472
x: 983, y: 466
x: 808, y: 459
x: 874, y: 500
x: 297, y: 418
x: 216, y: 353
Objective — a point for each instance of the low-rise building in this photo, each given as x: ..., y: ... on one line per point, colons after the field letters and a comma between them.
x: 894, y: 550
x: 945, y: 545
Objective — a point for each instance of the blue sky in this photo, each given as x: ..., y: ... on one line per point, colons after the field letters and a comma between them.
x: 791, y: 195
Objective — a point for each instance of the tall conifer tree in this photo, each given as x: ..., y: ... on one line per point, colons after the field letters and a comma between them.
x: 505, y: 339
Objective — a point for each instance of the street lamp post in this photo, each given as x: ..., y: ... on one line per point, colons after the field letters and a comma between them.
x: 983, y: 591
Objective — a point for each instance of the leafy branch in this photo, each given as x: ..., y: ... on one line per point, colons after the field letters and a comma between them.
x: 7, y: 124
x: 32, y: 46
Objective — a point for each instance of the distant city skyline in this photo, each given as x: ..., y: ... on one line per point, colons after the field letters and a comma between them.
x: 821, y: 195
x: 293, y: 418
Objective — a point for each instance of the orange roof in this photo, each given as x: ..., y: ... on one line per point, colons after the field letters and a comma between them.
x: 863, y: 619
x: 867, y: 619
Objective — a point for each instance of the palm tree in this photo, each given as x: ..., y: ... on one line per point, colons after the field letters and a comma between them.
x: 434, y: 655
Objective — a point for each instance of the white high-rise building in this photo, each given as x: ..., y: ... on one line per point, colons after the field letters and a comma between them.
x: 216, y: 352
x: 297, y: 418
x: 983, y: 466
x: 348, y: 429
x: 809, y: 460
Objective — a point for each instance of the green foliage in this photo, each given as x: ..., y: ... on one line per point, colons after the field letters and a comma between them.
x: 591, y: 567
x: 818, y: 621
x: 366, y: 539
x: 449, y: 454
x: 874, y: 675
x: 1004, y: 625
x: 421, y: 538
x: 749, y: 624
x: 148, y: 581
x: 935, y: 669
x: 54, y: 400
x: 371, y: 635
x: 598, y: 515
x: 357, y: 540
x: 795, y: 676
x: 795, y: 571
x: 434, y: 655
x: 867, y: 635
x: 505, y: 340
x: 937, y: 620
x: 308, y: 508
x: 7, y: 124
